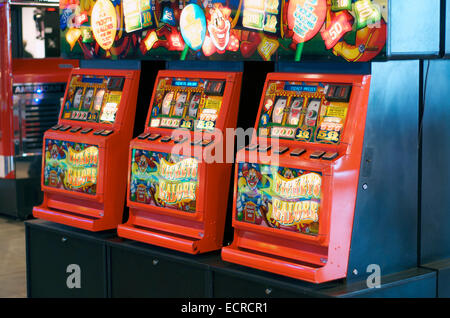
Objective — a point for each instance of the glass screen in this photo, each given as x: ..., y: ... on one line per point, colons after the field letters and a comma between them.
x: 93, y: 98
x: 312, y: 112
x: 187, y: 103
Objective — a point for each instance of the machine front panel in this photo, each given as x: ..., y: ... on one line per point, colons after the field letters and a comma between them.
x: 279, y: 197
x: 304, y: 111
x: 187, y: 103
x: 71, y: 166
x: 93, y: 98
x: 164, y: 180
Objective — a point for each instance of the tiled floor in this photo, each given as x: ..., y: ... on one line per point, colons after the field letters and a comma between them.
x: 12, y: 258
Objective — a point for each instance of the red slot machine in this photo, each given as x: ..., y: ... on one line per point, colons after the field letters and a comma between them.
x: 296, y: 182
x: 177, y: 193
x: 85, y: 155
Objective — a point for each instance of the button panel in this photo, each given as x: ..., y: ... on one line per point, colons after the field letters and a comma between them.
x: 166, y: 139
x: 75, y: 129
x: 251, y: 147
x: 297, y: 152
x: 86, y: 130
x: 180, y: 140
x: 143, y: 136
x: 56, y: 127
x: 317, y: 154
x: 329, y: 155
x: 98, y: 132
x: 106, y: 132
x: 154, y: 136
x: 280, y: 150
x: 67, y: 127
x: 197, y: 141
x: 265, y: 148
x: 206, y: 142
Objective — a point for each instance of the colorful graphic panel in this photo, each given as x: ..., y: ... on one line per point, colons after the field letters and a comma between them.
x: 71, y: 166
x: 279, y: 197
x: 186, y: 103
x: 312, y: 112
x: 164, y: 180
x: 93, y: 98
x: 290, y: 30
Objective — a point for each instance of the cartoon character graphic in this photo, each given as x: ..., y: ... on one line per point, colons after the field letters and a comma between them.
x: 288, y: 173
x: 250, y: 200
x: 142, y: 189
x: 53, y: 173
x: 55, y: 151
x: 252, y: 176
x: 77, y: 147
x: 143, y: 162
x: 219, y: 28
x: 220, y: 37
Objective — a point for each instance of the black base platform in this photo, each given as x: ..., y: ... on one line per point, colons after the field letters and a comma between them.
x: 18, y: 196
x: 108, y: 266
x: 442, y: 268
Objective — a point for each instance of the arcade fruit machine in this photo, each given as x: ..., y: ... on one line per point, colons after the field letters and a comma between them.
x: 295, y: 183
x: 32, y: 99
x: 319, y: 195
x: 85, y: 154
x: 177, y: 189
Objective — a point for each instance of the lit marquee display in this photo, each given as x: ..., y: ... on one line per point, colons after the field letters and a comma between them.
x: 270, y: 30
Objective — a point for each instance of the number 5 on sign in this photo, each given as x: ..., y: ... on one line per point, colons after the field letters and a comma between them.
x: 338, y: 27
x: 328, y: 135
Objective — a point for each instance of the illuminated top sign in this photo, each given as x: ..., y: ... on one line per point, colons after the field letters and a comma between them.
x: 269, y: 30
x: 36, y: 2
x: 104, y: 23
x: 305, y: 18
x: 184, y: 83
x: 300, y: 88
